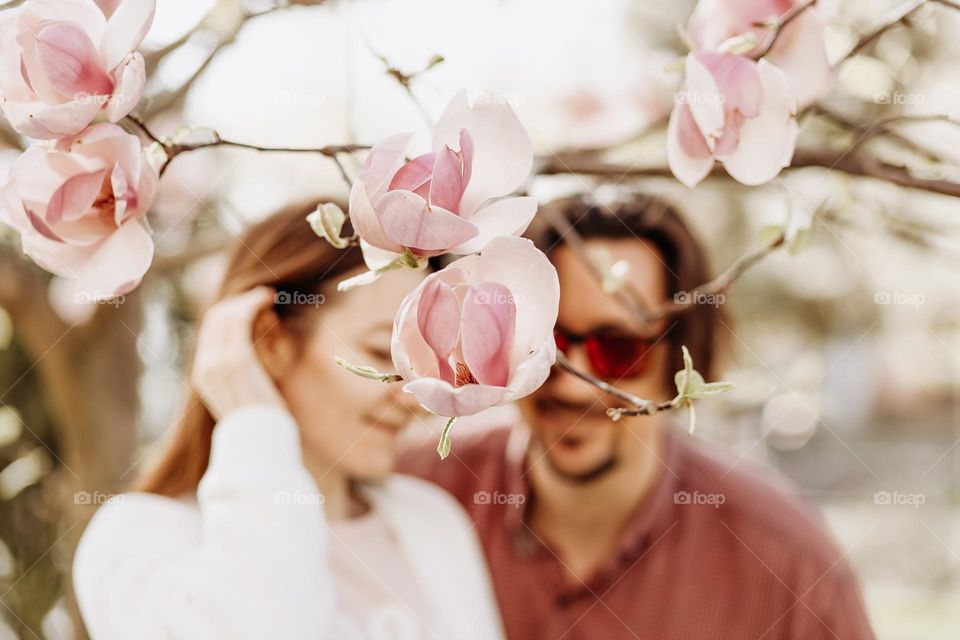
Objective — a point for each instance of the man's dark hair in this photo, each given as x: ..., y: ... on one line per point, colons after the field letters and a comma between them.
x: 685, y: 261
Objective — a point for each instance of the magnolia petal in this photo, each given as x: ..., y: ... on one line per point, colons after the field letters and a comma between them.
x: 532, y: 280
x: 366, y: 223
x: 118, y: 264
x: 130, y: 78
x: 800, y: 52
x: 59, y: 258
x: 83, y: 14
x: 41, y: 227
x: 438, y: 319
x: 37, y: 174
x: 466, y: 153
x: 687, y: 153
x: 507, y: 217
x: 414, y: 174
x: 502, y: 150
x: 533, y: 371
x: 412, y: 356
x: 45, y: 122
x: 409, y: 222
x: 106, y: 141
x: 446, y: 186
x: 107, y: 6
x: 74, y: 197
x: 703, y: 98
x: 443, y: 399
x: 382, y: 162
x: 487, y: 332
x: 737, y: 79
x: 12, y: 84
x: 767, y: 141
x: 70, y: 62
x: 126, y: 28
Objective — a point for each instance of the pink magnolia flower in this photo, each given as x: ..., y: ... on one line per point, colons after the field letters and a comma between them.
x: 63, y: 61
x: 799, y: 50
x: 77, y: 204
x: 735, y: 110
x: 443, y: 201
x: 479, y: 333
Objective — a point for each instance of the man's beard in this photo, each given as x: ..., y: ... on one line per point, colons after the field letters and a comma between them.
x: 586, y: 477
x: 597, y: 472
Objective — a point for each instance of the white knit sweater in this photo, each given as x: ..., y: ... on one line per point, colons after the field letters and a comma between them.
x: 247, y: 559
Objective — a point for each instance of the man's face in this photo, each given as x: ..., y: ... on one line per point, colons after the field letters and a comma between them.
x: 567, y: 415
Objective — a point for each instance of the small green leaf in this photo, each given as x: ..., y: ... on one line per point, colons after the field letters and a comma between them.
x: 687, y: 379
x: 443, y: 447
x: 693, y: 418
x: 406, y: 260
x: 741, y: 45
x: 327, y: 222
x: 367, y: 372
x: 714, y: 388
x: 771, y: 235
x: 802, y: 238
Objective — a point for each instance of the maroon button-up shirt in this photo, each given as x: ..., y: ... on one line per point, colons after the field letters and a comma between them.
x: 714, y: 551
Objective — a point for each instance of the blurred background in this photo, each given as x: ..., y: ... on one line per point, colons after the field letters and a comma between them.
x: 845, y: 346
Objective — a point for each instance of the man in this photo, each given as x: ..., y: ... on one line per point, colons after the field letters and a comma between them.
x: 597, y: 529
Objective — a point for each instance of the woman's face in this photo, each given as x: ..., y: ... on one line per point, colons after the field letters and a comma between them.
x: 348, y: 422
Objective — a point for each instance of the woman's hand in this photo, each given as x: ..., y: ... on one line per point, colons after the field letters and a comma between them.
x: 227, y: 373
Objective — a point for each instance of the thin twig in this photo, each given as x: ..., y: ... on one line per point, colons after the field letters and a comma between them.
x: 911, y: 145
x: 898, y: 16
x: 405, y: 79
x: 648, y: 406
x: 856, y: 164
x: 776, y: 29
x: 575, y: 241
x: 684, y: 301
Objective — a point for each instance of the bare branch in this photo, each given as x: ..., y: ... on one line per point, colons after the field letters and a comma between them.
x: 855, y: 164
x: 405, y: 79
x: 897, y: 17
x: 719, y: 284
x: 643, y: 407
x: 776, y: 29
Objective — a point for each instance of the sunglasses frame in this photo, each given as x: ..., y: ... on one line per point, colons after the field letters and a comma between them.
x: 637, y: 368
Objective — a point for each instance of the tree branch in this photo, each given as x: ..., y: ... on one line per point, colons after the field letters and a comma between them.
x: 855, y: 164
x: 776, y: 29
x: 897, y: 17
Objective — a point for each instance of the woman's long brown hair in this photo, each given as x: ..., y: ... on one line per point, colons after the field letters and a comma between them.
x: 280, y: 252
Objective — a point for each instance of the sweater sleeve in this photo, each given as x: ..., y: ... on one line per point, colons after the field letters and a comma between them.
x: 249, y: 561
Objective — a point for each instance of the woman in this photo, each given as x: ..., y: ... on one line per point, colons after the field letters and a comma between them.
x: 272, y: 513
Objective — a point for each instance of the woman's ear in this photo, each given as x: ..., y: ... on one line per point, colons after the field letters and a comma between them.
x: 273, y: 343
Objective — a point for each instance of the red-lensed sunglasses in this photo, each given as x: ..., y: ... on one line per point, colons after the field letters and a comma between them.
x: 611, y: 355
